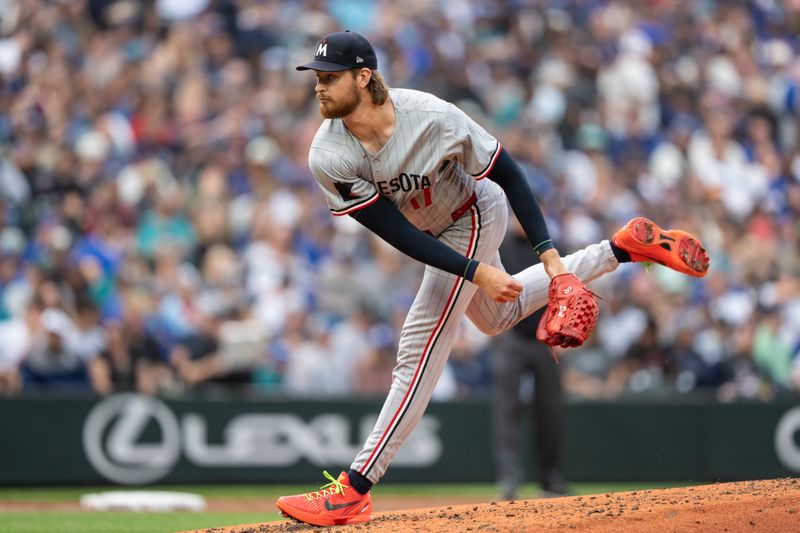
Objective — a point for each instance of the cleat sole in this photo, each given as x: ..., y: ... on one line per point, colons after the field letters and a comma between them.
x: 693, y: 255
x: 644, y: 232
x: 675, y: 249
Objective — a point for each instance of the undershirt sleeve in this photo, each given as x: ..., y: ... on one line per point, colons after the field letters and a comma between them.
x: 507, y: 174
x: 387, y: 222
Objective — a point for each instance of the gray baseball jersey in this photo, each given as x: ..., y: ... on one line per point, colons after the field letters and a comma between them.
x: 427, y: 168
x: 431, y: 168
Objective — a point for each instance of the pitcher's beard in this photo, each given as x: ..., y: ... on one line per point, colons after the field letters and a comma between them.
x: 342, y: 109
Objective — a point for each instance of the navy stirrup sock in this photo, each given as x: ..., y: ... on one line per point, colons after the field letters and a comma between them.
x: 359, y: 482
x: 621, y: 255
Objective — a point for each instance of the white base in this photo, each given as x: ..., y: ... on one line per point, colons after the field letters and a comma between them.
x: 142, y: 500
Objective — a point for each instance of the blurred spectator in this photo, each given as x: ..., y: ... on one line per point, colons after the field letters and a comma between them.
x: 15, y: 341
x: 88, y: 338
x: 373, y: 371
x: 470, y: 364
x: 314, y: 368
x: 161, y: 147
x: 648, y: 363
x: 224, y: 350
x: 771, y: 353
x: 132, y: 359
x: 52, y: 362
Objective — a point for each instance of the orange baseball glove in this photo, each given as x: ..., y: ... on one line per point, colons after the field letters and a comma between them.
x: 571, y: 313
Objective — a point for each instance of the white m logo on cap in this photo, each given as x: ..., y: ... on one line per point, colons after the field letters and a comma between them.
x: 322, y: 50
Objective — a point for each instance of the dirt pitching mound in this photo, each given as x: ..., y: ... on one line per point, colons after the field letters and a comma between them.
x: 752, y: 506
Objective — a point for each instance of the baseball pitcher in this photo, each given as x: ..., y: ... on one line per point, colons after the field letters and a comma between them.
x: 419, y: 173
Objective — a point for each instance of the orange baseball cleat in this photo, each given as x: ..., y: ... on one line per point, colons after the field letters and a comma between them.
x: 676, y: 249
x: 335, y: 504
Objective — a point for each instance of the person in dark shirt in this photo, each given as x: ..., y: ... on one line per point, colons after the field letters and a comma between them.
x: 131, y: 361
x: 517, y: 353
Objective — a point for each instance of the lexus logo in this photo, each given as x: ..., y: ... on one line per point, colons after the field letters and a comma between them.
x: 786, y: 447
x: 116, y: 445
x: 112, y: 439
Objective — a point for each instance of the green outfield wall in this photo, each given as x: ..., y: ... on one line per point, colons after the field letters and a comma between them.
x: 134, y: 440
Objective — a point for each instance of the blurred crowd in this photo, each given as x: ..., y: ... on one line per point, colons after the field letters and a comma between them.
x: 161, y: 231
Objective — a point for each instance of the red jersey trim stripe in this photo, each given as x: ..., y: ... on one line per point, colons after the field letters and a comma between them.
x: 490, y: 166
x: 369, y: 201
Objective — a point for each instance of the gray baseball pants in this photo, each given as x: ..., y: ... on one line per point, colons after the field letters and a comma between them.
x: 443, y: 299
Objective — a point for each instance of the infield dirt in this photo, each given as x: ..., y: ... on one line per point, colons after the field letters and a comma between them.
x: 752, y: 506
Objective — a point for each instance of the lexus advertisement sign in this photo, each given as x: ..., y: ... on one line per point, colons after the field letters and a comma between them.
x: 132, y: 439
x: 113, y: 439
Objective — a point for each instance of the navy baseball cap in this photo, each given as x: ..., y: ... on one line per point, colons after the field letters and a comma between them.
x: 341, y: 51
